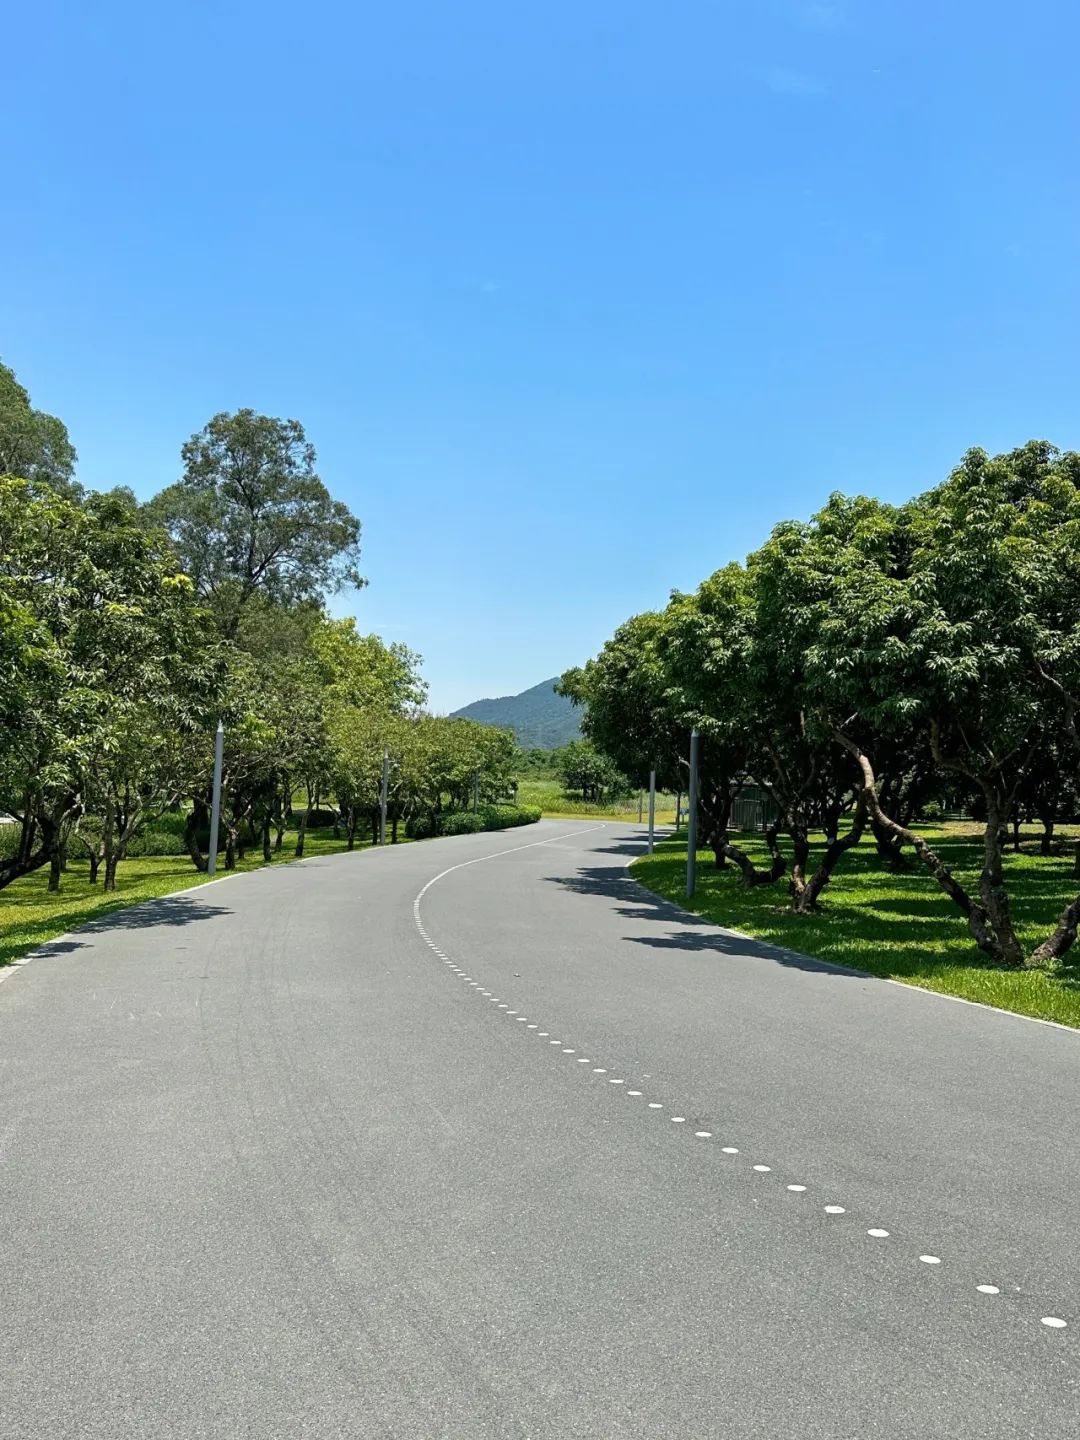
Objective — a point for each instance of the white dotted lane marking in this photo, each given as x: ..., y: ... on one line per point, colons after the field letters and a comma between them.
x: 1052, y: 1322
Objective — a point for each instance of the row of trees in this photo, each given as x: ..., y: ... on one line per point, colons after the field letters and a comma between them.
x: 865, y: 663
x: 128, y: 630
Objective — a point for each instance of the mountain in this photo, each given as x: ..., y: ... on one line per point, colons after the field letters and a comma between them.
x: 539, y: 718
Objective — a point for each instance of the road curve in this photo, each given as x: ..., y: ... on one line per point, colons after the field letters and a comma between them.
x: 476, y: 1138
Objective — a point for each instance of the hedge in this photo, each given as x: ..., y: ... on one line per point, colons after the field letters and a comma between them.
x: 471, y: 822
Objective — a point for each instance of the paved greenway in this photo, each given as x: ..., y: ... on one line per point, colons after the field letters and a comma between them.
x: 473, y: 1138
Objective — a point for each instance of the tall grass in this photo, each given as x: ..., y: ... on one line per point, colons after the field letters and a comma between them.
x: 554, y: 801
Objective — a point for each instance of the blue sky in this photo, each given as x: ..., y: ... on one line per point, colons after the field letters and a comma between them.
x: 575, y: 300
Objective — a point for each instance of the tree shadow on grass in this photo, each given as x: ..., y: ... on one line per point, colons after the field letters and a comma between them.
x: 169, y: 911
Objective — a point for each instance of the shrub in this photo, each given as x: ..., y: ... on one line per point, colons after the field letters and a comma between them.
x: 471, y: 822
x: 319, y: 819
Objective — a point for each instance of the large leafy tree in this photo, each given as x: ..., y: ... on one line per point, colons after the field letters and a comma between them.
x: 106, y: 643
x: 33, y: 445
x: 251, y: 514
x: 959, y: 628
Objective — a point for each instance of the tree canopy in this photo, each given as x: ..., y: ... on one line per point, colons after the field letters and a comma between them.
x: 865, y: 661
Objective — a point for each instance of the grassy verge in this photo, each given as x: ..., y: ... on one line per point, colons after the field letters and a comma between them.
x: 29, y: 915
x: 894, y: 924
x: 556, y: 804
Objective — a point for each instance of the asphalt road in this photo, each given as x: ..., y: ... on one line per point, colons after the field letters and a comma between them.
x: 303, y: 1155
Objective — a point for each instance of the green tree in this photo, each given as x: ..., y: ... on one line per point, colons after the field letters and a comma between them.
x: 251, y: 514
x: 106, y: 645
x: 33, y: 445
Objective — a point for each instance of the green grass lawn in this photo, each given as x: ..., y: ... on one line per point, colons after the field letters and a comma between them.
x: 894, y: 924
x: 29, y: 915
x: 550, y: 797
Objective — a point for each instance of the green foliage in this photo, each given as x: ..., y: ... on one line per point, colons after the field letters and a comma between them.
x: 320, y: 818
x: 251, y: 514
x: 870, y: 661
x: 471, y: 822
x: 583, y: 768
x: 33, y: 445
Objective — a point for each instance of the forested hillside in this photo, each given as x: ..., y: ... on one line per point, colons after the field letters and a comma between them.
x: 539, y: 718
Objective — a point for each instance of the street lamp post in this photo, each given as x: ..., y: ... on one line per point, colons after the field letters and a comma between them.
x: 215, y: 803
x: 691, y: 817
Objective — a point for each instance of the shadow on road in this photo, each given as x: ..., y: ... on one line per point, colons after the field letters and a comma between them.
x: 634, y: 902
x: 169, y: 911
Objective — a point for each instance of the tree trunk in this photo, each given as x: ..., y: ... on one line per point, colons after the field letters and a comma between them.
x: 350, y: 825
x: 835, y: 851
x: 55, y: 867
x: 1062, y: 938
x: 393, y: 830
x: 109, y: 848
x: 751, y: 875
x: 95, y: 864
x: 267, y: 853
x: 800, y: 860
x: 979, y: 926
x: 301, y: 834
x: 1048, y: 821
x: 890, y: 848
x: 1016, y: 834
x: 21, y: 865
x: 191, y: 840
x: 992, y: 892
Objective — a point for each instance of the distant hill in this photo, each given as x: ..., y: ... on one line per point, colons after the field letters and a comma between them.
x: 540, y: 719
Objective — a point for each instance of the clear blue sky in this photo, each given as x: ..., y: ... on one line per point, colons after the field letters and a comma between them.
x: 575, y: 300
